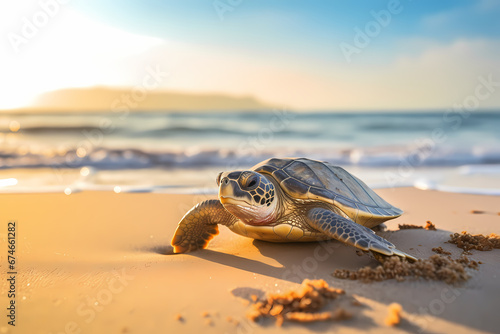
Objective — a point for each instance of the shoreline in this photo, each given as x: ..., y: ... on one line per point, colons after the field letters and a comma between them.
x: 195, y: 181
x: 205, y: 191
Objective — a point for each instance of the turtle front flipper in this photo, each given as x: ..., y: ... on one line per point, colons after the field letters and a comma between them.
x: 199, y: 226
x: 351, y: 233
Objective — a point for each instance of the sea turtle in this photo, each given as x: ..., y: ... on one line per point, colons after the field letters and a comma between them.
x: 291, y: 199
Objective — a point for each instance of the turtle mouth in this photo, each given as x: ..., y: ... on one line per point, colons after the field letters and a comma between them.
x: 234, y: 201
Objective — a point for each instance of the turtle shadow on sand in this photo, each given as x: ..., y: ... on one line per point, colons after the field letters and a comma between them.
x: 298, y: 261
x: 162, y: 249
x: 318, y: 260
x: 312, y: 260
x: 293, y: 256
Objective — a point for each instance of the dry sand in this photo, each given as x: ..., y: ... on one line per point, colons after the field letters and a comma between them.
x: 99, y: 262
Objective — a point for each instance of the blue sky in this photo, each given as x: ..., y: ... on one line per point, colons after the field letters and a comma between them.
x: 292, y: 25
x: 429, y: 55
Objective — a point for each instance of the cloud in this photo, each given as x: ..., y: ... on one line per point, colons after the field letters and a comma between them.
x: 436, y: 77
x: 487, y: 5
x: 476, y: 19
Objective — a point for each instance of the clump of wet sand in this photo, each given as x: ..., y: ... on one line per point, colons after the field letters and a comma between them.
x: 440, y: 250
x: 480, y: 242
x: 393, y: 315
x: 428, y: 226
x: 436, y: 267
x: 301, y: 305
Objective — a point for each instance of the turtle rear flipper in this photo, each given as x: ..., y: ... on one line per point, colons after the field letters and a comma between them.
x: 199, y: 226
x: 347, y: 231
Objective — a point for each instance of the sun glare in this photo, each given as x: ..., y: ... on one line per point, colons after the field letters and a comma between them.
x: 8, y: 182
x: 71, y: 51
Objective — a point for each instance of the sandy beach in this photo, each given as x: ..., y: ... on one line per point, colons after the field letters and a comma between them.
x: 101, y: 262
x: 117, y: 118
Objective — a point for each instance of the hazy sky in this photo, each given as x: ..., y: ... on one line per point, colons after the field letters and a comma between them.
x: 342, y: 55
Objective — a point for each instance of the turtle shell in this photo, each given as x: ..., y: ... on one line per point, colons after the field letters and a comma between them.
x: 307, y: 179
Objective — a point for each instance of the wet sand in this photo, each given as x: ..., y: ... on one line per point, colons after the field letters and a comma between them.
x: 100, y: 262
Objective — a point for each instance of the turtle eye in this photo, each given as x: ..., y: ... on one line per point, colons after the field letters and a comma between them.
x: 251, y: 181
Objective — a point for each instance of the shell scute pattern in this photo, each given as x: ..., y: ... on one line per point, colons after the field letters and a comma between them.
x: 302, y: 172
x: 315, y: 180
x: 279, y: 174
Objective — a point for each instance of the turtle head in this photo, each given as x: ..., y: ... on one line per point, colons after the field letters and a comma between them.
x: 249, y: 196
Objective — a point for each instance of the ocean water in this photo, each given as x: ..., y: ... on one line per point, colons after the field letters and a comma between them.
x: 183, y: 152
